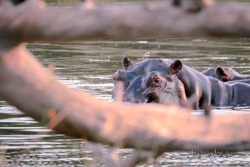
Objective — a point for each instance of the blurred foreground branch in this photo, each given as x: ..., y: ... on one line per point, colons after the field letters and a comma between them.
x: 33, y: 21
x: 26, y: 85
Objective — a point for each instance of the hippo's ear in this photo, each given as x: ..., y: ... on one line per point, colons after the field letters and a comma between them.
x: 176, y: 67
x: 126, y: 62
x: 222, y: 74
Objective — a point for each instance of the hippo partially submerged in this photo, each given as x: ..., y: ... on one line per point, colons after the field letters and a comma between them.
x: 158, y: 80
x: 232, y: 93
x: 234, y: 90
x: 225, y: 74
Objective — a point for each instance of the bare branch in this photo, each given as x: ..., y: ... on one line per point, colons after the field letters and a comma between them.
x: 31, y: 21
x: 155, y: 127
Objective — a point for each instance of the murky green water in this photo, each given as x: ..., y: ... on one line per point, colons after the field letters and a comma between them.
x: 89, y: 66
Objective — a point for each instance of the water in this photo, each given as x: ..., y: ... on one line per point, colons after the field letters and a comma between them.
x: 88, y: 66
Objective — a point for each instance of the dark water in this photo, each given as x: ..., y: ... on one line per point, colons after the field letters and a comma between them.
x: 89, y: 66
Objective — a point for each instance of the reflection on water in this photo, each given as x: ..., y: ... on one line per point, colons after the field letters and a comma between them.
x: 89, y: 66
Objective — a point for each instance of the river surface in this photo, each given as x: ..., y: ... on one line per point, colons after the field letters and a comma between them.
x: 88, y: 66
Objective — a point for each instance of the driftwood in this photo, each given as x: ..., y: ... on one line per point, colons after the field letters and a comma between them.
x: 25, y: 84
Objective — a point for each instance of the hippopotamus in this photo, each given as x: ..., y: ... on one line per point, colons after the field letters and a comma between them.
x: 247, y: 81
x: 233, y: 93
x: 152, y: 79
x: 225, y: 74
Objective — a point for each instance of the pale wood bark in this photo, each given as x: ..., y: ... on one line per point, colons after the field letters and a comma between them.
x: 32, y: 21
x: 26, y: 85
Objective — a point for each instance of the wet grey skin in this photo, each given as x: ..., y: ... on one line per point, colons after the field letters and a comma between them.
x: 225, y: 74
x: 247, y: 81
x: 232, y: 93
x: 158, y: 81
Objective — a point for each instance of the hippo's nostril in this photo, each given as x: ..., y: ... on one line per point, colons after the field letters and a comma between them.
x: 130, y: 98
x: 153, y: 98
x: 137, y: 101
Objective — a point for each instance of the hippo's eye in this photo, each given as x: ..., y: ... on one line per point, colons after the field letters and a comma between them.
x: 157, y: 81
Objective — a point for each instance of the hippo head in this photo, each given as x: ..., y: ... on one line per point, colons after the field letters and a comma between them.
x: 150, y: 81
x: 228, y: 74
x: 224, y: 74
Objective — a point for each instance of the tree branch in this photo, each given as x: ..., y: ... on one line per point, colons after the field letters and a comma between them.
x: 32, y: 21
x: 160, y: 127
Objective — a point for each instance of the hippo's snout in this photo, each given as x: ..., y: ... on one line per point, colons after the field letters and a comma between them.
x: 131, y: 99
x: 153, y: 98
